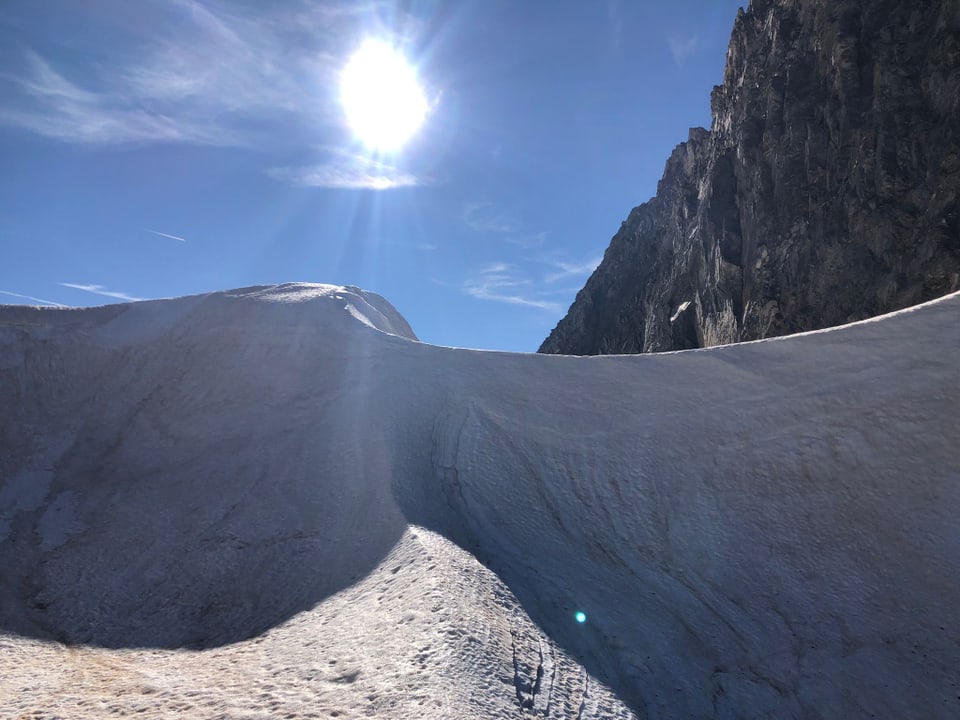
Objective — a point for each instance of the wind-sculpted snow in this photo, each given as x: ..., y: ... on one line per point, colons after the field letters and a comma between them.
x: 272, y: 502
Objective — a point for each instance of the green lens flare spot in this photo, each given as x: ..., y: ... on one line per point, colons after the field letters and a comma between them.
x: 580, y: 617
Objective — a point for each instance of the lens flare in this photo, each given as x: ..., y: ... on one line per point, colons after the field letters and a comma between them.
x: 580, y: 617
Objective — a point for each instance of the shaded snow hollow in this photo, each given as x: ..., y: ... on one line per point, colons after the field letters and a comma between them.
x: 273, y: 502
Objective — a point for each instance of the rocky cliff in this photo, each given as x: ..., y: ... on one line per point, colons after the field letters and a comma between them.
x: 827, y: 189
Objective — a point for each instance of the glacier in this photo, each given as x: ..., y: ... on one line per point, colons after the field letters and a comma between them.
x: 276, y: 502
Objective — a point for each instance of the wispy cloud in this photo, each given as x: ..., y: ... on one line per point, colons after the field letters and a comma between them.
x: 529, y: 283
x: 348, y: 173
x: 485, y: 217
x: 488, y: 219
x: 31, y: 298
x: 526, y: 240
x: 101, y: 290
x: 683, y: 47
x: 203, y: 72
x: 566, y: 270
x: 57, y: 108
x: 505, y: 283
x: 161, y: 234
x: 526, y: 284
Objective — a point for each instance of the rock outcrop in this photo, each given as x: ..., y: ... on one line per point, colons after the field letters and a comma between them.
x: 826, y: 191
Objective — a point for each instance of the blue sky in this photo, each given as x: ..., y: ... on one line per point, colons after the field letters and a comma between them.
x: 155, y: 149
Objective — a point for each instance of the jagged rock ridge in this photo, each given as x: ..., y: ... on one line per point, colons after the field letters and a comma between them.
x: 826, y: 191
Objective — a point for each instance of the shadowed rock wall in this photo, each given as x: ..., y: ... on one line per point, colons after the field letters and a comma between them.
x: 826, y: 191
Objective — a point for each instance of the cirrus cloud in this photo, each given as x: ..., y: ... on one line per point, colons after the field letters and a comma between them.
x: 192, y: 71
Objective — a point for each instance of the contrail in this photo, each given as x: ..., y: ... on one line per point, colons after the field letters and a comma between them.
x: 101, y: 290
x: 172, y: 237
x: 30, y: 297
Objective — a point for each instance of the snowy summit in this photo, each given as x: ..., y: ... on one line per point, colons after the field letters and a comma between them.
x: 274, y: 502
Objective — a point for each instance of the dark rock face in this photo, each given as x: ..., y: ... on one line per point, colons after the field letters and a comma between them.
x: 827, y: 190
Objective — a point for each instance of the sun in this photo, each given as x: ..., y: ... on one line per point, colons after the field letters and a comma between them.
x: 381, y: 97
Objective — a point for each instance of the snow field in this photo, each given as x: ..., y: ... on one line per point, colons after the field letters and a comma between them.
x: 205, y: 501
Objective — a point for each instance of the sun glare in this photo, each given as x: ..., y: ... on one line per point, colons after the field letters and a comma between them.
x: 381, y: 97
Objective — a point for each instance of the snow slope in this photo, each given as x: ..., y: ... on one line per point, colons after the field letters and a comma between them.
x: 273, y: 502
